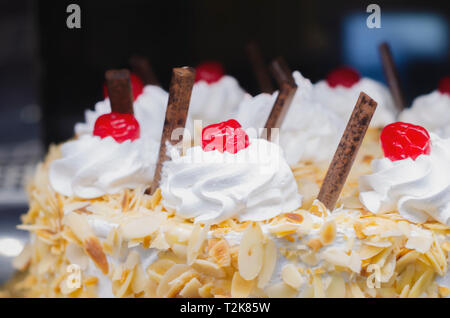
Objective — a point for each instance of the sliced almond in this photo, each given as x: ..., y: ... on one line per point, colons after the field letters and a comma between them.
x: 336, y: 288
x: 251, y: 252
x: 95, y: 251
x: 175, y: 271
x: 220, y: 252
x: 190, y: 290
x: 209, y: 268
x: 269, y: 263
x: 195, y: 242
x: 328, y: 232
x: 291, y: 276
x: 281, y: 290
x: 315, y: 244
x: 241, y: 288
x: 22, y: 261
x: 140, y: 227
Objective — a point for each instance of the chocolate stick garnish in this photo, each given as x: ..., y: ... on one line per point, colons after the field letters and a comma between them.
x: 346, y: 152
x: 390, y: 71
x: 142, y: 67
x: 177, y: 109
x: 283, y: 75
x: 281, y: 71
x: 259, y: 67
x: 119, y: 91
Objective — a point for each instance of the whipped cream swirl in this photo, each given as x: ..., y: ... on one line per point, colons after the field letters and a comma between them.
x: 149, y: 110
x: 431, y: 112
x: 254, y: 184
x: 309, y: 130
x: 342, y: 100
x: 418, y: 189
x: 91, y: 167
x: 214, y: 102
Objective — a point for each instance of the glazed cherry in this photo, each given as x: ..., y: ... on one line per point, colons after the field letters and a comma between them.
x: 117, y: 125
x: 210, y: 72
x: 402, y: 140
x: 137, y: 86
x: 225, y: 136
x: 344, y: 76
x: 444, y: 85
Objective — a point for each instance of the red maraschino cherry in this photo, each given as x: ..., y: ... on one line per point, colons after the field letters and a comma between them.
x: 120, y: 126
x: 444, y: 85
x: 344, y: 76
x: 402, y: 140
x: 225, y: 136
x: 137, y: 86
x: 210, y: 71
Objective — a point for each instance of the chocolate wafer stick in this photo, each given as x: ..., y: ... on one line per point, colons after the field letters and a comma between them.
x: 142, y: 68
x: 119, y: 91
x: 259, y: 67
x: 280, y: 107
x: 390, y: 71
x: 281, y: 71
x: 177, y: 109
x: 346, y: 152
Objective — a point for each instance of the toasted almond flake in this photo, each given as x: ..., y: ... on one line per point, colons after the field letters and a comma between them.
x: 79, y: 226
x: 294, y: 217
x: 269, y: 263
x: 91, y: 280
x: 406, y: 260
x: 178, y: 283
x: 220, y: 252
x: 175, y: 271
x: 421, y: 284
x: 419, y: 241
x: 251, y: 252
x: 446, y: 246
x: 140, y: 227
x: 179, y: 250
x: 318, y: 209
x: 369, y: 251
x: 240, y: 288
x: 356, y: 291
x: 190, y: 290
x: 208, y: 268
x: 355, y: 262
x: 156, y: 199
x: 291, y: 276
x: 22, y: 261
x: 76, y: 255
x: 315, y: 244
x: 318, y: 287
x: 387, y: 271
x: 336, y: 287
x: 328, y: 232
x: 160, y: 242
x: 359, y: 227
x: 444, y: 291
x: 94, y: 249
x: 205, y: 290
x: 405, y: 291
x: 195, y: 242
x: 281, y: 290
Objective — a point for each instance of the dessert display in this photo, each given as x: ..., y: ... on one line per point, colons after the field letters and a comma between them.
x: 431, y: 110
x: 125, y: 211
x: 341, y: 88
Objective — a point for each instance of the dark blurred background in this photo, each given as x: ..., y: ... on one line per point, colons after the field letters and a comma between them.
x: 49, y: 74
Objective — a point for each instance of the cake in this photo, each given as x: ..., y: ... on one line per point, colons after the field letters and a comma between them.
x: 228, y: 220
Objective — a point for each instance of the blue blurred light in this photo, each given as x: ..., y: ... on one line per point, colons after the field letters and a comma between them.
x: 412, y: 36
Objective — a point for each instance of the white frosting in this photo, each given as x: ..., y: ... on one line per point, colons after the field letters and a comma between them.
x: 431, y: 112
x: 419, y: 189
x: 342, y: 100
x: 309, y: 130
x: 253, y: 184
x: 91, y: 167
x: 214, y: 102
x: 149, y: 110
